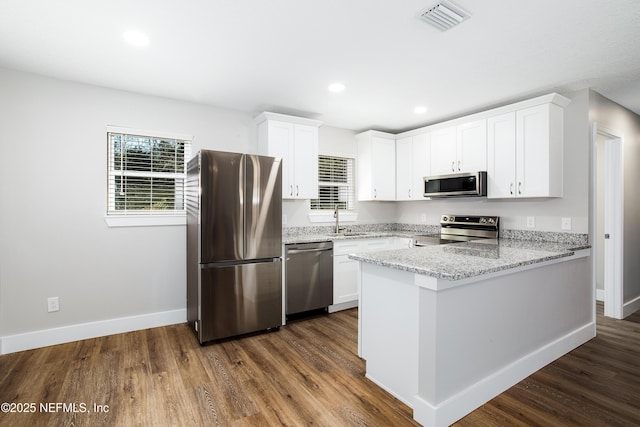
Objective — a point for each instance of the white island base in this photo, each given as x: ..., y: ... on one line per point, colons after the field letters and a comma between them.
x: 446, y: 347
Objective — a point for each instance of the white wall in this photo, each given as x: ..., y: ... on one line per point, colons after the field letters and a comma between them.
x: 54, y: 240
x: 608, y: 114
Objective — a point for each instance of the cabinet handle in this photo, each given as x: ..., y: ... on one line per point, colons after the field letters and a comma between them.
x: 458, y: 165
x: 453, y: 167
x: 511, y: 188
x: 519, y: 187
x: 297, y: 191
x: 291, y: 190
x: 409, y: 192
x: 375, y: 193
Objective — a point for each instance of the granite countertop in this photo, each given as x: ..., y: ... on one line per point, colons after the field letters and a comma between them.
x: 327, y: 236
x: 469, y: 259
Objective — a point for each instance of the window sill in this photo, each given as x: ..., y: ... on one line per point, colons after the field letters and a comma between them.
x: 328, y: 216
x: 144, y: 221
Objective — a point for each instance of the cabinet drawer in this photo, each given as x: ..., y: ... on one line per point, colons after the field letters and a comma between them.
x: 378, y: 244
x: 348, y: 247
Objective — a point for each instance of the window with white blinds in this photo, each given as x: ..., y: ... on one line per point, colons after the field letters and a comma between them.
x: 146, y: 174
x: 335, y: 184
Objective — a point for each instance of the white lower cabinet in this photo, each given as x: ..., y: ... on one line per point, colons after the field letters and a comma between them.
x: 346, y: 271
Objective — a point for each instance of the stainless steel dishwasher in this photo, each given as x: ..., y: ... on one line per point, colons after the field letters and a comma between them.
x: 308, y: 276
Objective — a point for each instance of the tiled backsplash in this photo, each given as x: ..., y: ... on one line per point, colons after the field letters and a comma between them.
x: 537, y: 236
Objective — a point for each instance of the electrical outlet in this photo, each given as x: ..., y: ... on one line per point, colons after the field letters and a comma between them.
x: 531, y: 222
x: 53, y: 304
x: 423, y: 218
x: 566, y: 223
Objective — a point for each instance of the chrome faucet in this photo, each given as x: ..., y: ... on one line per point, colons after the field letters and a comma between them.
x: 336, y: 215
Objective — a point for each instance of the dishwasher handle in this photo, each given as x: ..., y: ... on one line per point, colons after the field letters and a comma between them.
x: 300, y: 251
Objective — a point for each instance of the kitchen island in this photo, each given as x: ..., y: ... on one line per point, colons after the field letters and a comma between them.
x: 446, y: 328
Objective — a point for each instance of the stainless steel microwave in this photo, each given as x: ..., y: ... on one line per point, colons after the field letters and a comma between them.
x: 473, y: 184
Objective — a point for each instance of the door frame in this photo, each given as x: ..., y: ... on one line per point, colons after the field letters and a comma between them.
x: 613, y: 218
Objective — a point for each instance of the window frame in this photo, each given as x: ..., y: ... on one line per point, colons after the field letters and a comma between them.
x: 326, y: 215
x: 140, y: 218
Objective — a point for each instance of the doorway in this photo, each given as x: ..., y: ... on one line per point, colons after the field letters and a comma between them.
x: 608, y: 194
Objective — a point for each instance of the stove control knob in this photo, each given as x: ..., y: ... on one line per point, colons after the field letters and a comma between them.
x: 491, y: 220
x: 483, y: 220
x: 445, y: 218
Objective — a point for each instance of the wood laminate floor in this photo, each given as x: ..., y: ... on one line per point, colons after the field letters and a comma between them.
x: 307, y: 373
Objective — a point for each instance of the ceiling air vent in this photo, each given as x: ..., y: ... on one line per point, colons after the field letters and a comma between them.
x: 444, y: 15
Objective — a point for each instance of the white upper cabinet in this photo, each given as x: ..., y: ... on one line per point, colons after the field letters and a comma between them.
x: 376, y: 166
x: 501, y: 156
x: 461, y: 148
x: 295, y: 140
x: 472, y: 146
x: 412, y: 165
x: 519, y: 145
x: 525, y: 152
x: 443, y: 151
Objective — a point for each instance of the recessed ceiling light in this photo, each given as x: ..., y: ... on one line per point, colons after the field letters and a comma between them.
x: 136, y: 38
x: 336, y: 87
x: 420, y: 109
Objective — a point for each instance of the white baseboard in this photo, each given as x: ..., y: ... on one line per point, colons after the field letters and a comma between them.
x: 343, y: 306
x: 599, y: 294
x: 83, y: 331
x: 456, y: 407
x: 631, y: 307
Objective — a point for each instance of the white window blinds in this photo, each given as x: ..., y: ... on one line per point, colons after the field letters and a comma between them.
x: 146, y: 174
x: 335, y: 184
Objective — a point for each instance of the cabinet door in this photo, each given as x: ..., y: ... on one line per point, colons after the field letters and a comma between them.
x: 305, y: 162
x: 384, y: 168
x: 346, y: 277
x: 404, y: 169
x: 532, y: 150
x: 421, y: 166
x: 443, y: 151
x: 280, y: 144
x: 501, y: 156
x: 472, y: 147
x: 346, y: 272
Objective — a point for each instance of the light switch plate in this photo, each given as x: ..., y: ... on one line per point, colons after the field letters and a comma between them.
x: 566, y: 223
x: 423, y: 218
x: 531, y: 222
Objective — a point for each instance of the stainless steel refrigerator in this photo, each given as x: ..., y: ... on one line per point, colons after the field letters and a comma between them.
x: 234, y: 244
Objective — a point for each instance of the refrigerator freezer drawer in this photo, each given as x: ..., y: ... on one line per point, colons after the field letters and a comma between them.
x: 239, y: 299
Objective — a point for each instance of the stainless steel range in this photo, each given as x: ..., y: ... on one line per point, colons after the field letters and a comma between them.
x: 461, y: 228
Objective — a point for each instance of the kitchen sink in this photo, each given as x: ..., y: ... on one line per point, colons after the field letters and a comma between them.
x: 348, y: 233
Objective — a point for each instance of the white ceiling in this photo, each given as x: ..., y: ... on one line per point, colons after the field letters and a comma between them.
x: 280, y: 55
